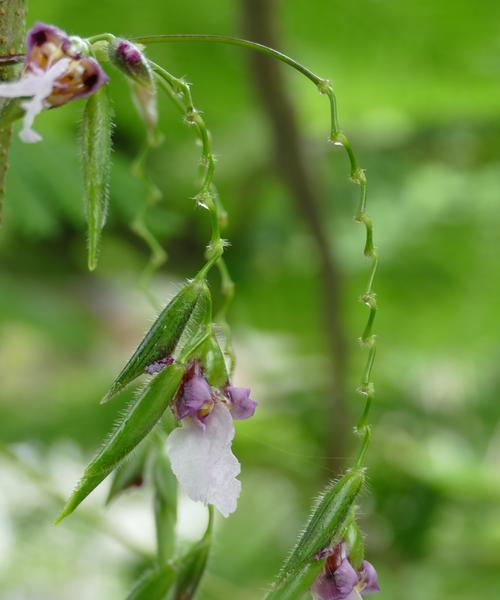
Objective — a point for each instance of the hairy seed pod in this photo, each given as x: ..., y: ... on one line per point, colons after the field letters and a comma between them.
x: 325, y: 527
x: 97, y: 127
x: 138, y: 421
x: 182, y: 323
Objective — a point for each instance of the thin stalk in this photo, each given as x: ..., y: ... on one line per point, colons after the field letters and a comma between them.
x: 232, y: 41
x: 357, y: 174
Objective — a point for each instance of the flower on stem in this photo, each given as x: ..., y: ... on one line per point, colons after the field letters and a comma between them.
x: 200, y: 450
x: 339, y: 580
x: 130, y: 59
x: 55, y: 72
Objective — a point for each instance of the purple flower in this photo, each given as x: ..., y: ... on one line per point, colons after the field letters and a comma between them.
x: 55, y: 72
x: 368, y: 578
x: 200, y: 450
x: 339, y: 581
x: 337, y: 584
x: 194, y: 398
x: 242, y: 406
x: 129, y: 58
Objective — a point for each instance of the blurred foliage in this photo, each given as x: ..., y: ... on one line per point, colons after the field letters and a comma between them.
x: 419, y: 93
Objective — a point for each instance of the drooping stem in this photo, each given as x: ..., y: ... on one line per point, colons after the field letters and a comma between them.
x: 357, y: 174
x: 290, y: 157
x: 179, y: 92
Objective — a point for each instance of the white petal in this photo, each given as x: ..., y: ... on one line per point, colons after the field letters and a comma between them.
x: 202, y: 460
x: 39, y: 86
x: 354, y: 595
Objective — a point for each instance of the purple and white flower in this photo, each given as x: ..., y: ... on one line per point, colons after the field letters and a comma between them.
x: 339, y: 580
x: 200, y: 450
x: 55, y: 72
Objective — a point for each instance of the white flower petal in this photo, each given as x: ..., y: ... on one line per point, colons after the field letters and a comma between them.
x: 202, y: 460
x: 38, y: 86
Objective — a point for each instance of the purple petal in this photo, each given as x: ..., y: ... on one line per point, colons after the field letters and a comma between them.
x: 345, y: 578
x: 369, y: 578
x: 196, y: 393
x: 41, y: 33
x: 242, y: 406
x: 324, y: 588
x: 337, y: 585
x: 93, y: 77
x: 128, y: 53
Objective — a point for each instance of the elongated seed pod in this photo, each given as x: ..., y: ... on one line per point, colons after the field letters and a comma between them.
x: 325, y: 526
x: 185, y: 317
x: 140, y: 418
x: 97, y: 127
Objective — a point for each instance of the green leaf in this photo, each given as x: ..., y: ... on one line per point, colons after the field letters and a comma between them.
x: 214, y: 363
x: 155, y: 585
x: 180, y: 326
x: 96, y: 155
x: 355, y: 543
x: 325, y: 527
x: 140, y: 418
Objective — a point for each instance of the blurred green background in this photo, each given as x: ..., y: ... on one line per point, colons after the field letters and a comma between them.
x: 419, y: 95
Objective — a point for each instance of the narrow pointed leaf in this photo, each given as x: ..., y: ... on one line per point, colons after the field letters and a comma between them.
x: 185, y: 317
x: 325, y: 527
x: 155, y: 585
x: 96, y: 155
x: 140, y: 418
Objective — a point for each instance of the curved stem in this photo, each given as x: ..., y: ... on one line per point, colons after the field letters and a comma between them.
x: 338, y: 138
x: 232, y: 41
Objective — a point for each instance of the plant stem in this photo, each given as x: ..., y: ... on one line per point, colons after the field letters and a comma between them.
x: 357, y: 174
x: 232, y: 41
x: 12, y: 18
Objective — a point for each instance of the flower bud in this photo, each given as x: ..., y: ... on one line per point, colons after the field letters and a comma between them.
x: 130, y: 59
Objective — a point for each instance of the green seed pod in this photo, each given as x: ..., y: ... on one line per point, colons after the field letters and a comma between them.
x: 165, y: 504
x: 296, y: 584
x: 96, y: 156
x: 155, y: 585
x: 325, y: 526
x: 130, y: 473
x: 140, y: 418
x: 181, y: 324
